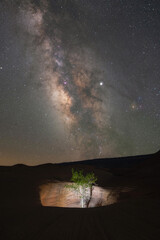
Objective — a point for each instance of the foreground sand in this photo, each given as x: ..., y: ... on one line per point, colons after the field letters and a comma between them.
x: 128, y: 220
x: 135, y: 215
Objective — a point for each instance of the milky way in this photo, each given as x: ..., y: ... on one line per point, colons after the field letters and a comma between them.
x: 72, y: 79
x: 88, y: 95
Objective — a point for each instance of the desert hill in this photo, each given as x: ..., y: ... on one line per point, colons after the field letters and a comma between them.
x: 134, y: 213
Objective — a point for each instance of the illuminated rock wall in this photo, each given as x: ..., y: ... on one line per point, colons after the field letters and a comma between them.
x: 57, y: 195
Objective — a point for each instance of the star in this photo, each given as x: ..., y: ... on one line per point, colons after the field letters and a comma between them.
x: 133, y: 106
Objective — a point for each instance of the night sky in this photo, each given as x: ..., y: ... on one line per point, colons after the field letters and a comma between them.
x: 79, y: 79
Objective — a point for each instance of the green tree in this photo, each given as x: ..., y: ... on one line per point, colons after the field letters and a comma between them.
x: 82, y: 185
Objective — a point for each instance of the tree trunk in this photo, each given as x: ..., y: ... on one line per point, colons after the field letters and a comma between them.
x: 90, y: 196
x: 82, y: 202
x: 82, y: 197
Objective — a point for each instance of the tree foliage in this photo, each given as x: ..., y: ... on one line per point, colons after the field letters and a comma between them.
x: 79, y: 179
x: 81, y: 183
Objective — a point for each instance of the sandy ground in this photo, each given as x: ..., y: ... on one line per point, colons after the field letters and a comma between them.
x: 135, y: 215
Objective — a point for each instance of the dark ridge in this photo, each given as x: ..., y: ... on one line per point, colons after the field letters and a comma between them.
x: 19, y: 165
x: 119, y: 162
x: 122, y: 162
x: 45, y: 165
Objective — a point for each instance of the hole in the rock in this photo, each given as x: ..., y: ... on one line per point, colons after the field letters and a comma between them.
x: 55, y: 194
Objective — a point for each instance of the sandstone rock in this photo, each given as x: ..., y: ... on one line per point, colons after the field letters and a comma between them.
x: 57, y: 195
